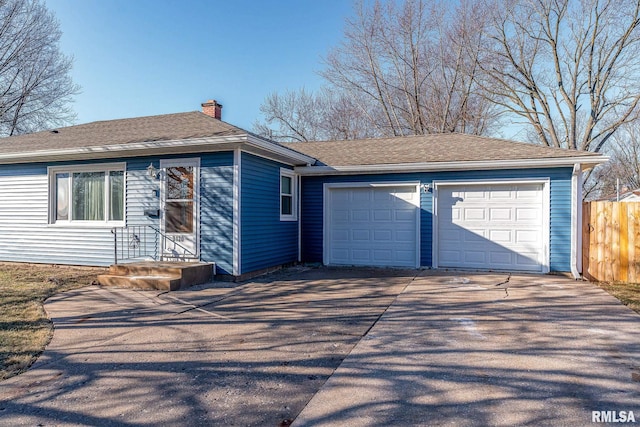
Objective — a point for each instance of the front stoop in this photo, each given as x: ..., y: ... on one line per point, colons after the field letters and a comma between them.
x: 164, y: 275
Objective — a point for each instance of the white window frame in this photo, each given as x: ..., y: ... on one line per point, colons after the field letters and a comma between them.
x: 52, y: 171
x: 294, y: 195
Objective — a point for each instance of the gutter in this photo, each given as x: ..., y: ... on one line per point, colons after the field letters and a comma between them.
x: 585, y: 162
x: 207, y: 144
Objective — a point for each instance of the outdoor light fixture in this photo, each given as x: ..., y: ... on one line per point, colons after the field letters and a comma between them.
x: 152, y: 171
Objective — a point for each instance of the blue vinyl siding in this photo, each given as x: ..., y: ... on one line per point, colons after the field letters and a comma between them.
x: 560, y: 205
x: 216, y: 210
x: 266, y: 240
x: 27, y: 236
x: 25, y: 232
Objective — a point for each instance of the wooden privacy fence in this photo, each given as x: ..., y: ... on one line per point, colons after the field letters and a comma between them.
x: 611, y: 241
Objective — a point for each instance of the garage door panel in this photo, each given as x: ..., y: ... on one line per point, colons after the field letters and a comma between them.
x: 341, y: 235
x: 407, y: 215
x: 382, y: 223
x: 475, y: 257
x: 501, y: 258
x: 526, y: 214
x: 383, y: 255
x: 382, y: 215
x: 500, y: 214
x: 407, y: 236
x: 360, y: 235
x: 528, y: 236
x: 360, y: 196
x: 405, y: 256
x: 383, y: 235
x: 474, y: 214
x: 360, y: 254
x: 360, y: 215
x: 491, y: 226
x: 503, y: 237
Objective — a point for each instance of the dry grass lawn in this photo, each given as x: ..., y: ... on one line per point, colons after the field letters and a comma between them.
x: 627, y: 293
x: 25, y: 329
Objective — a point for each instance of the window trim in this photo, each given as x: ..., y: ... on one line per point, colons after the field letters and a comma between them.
x: 52, y: 171
x: 294, y: 195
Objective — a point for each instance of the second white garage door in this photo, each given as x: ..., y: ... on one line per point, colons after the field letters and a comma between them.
x: 492, y: 226
x: 373, y: 225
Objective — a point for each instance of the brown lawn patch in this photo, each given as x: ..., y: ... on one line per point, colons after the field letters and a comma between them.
x: 627, y: 293
x: 25, y: 329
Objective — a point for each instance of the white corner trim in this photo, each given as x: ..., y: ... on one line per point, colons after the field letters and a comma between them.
x: 586, y: 162
x: 237, y: 173
x: 576, y: 222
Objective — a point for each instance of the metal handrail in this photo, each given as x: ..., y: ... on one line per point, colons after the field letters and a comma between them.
x: 160, y: 233
x: 140, y: 241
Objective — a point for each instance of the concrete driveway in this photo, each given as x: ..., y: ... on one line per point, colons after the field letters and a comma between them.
x: 335, y: 347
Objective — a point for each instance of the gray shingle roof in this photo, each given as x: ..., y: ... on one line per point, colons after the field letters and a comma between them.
x: 426, y: 149
x: 165, y: 127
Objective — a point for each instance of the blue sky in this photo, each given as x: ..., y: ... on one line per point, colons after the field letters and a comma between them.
x: 145, y: 57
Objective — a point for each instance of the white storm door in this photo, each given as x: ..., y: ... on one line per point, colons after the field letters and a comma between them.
x: 372, y: 225
x: 493, y: 226
x: 179, y: 224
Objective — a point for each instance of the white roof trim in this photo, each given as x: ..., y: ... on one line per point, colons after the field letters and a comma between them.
x: 586, y: 162
x: 207, y: 144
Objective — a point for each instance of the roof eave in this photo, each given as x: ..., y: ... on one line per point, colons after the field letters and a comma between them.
x: 585, y: 162
x: 179, y: 146
x: 294, y: 156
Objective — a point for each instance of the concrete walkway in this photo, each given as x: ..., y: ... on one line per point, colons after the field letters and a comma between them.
x: 451, y: 349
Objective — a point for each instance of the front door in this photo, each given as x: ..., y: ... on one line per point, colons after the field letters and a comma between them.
x: 179, y: 225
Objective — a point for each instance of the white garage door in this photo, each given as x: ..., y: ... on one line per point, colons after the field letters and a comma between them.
x: 372, y: 226
x: 492, y: 226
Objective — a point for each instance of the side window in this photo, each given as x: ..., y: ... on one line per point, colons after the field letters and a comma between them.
x: 288, y: 195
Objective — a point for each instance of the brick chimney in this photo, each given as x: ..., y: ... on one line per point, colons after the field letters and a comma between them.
x: 212, y: 108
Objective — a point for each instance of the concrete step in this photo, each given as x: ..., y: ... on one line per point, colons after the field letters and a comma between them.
x: 163, y: 275
x: 161, y: 283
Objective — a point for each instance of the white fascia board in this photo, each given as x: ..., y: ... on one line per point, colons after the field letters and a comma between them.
x: 295, y: 157
x: 120, y: 150
x: 585, y: 162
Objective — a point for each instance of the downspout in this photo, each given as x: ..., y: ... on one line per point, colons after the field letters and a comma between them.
x: 299, y: 201
x: 576, y: 221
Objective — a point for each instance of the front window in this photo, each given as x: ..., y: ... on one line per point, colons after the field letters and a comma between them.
x: 87, y: 194
x: 288, y: 195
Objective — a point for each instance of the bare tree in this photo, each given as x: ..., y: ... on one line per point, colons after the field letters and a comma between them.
x: 406, y: 68
x: 569, y: 68
x: 35, y: 86
x: 416, y: 64
x: 300, y: 116
x: 622, y: 169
